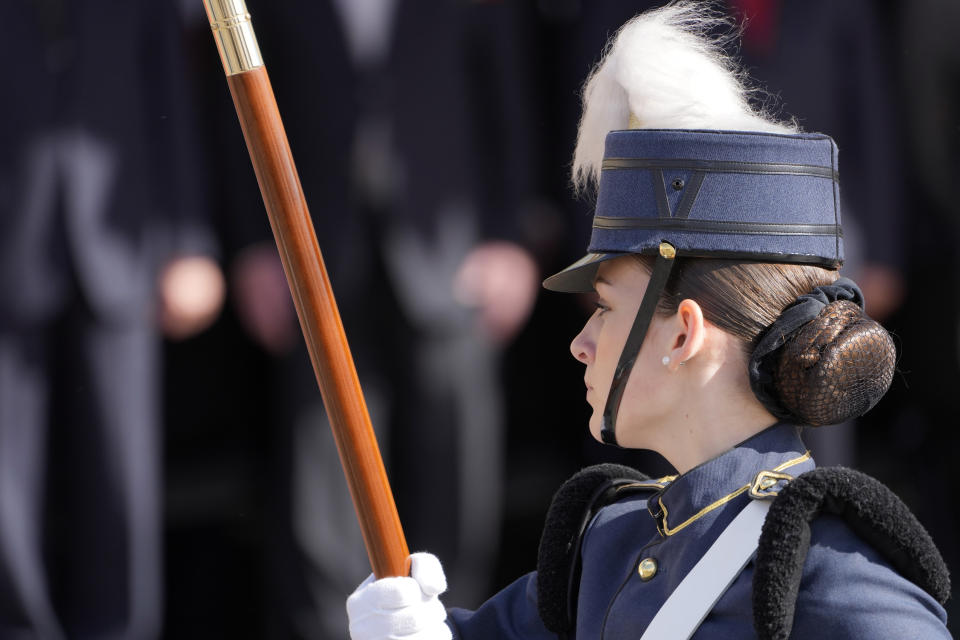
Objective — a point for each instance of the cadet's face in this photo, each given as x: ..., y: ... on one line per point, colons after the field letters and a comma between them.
x: 620, y: 286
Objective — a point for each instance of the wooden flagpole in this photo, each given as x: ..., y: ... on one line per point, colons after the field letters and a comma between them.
x: 309, y: 285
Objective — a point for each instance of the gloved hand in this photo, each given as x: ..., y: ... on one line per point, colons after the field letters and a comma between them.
x: 401, y: 608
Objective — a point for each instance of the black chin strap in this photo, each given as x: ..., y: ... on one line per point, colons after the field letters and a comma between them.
x: 631, y: 348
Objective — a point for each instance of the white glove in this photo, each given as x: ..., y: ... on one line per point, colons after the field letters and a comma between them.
x: 401, y: 608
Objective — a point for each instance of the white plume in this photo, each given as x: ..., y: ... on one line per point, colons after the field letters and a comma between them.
x: 667, y: 68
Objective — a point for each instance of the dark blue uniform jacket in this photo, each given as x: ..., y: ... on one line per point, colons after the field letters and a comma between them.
x: 847, y: 590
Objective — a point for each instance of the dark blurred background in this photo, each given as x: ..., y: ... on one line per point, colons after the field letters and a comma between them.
x: 433, y: 140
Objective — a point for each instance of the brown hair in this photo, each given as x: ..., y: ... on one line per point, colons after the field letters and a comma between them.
x: 836, y: 367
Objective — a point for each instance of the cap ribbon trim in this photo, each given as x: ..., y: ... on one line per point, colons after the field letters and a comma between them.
x: 722, y: 166
x: 716, y: 226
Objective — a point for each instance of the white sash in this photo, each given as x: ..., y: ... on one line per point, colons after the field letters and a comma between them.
x: 681, y: 615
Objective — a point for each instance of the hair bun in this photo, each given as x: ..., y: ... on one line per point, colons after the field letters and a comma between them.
x: 836, y: 367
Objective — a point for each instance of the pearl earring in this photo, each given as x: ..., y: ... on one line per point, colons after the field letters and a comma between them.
x: 666, y: 360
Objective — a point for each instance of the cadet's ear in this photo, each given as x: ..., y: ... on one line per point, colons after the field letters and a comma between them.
x: 690, y: 333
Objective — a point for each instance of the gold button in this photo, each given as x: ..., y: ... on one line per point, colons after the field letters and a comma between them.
x: 647, y: 569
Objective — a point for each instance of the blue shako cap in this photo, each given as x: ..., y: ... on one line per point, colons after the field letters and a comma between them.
x: 714, y: 194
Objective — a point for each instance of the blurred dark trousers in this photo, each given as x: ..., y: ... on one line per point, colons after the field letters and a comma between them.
x: 79, y: 479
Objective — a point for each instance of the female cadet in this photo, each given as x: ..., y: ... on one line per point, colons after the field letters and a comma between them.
x: 721, y: 325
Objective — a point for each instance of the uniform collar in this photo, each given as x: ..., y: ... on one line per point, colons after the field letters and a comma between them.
x: 698, y: 494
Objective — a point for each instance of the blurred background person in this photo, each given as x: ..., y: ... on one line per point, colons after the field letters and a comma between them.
x: 409, y: 125
x: 102, y: 240
x: 918, y: 445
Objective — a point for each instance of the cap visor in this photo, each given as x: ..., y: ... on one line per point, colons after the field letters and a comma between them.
x: 578, y: 277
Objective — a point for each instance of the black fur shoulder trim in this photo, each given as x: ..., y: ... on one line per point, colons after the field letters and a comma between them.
x: 869, y: 508
x: 571, y: 510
